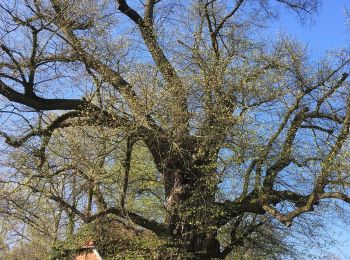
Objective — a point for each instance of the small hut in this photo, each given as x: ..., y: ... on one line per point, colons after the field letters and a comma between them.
x: 88, y: 252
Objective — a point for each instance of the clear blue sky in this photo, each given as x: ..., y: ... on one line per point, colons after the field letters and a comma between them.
x: 328, y: 31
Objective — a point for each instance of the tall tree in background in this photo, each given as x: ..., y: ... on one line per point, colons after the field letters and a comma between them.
x: 234, y: 124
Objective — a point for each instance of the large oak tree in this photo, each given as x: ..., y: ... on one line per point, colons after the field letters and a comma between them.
x: 234, y: 123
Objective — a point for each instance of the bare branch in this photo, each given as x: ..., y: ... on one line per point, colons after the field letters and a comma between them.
x: 228, y: 16
x: 39, y: 103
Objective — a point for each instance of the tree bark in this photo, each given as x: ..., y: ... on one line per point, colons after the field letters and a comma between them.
x: 193, y: 231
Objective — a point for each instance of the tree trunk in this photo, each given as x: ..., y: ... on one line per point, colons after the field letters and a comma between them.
x: 191, y: 224
x: 197, y: 246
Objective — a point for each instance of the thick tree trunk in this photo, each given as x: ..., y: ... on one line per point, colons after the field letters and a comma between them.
x: 199, y: 246
x: 189, y: 219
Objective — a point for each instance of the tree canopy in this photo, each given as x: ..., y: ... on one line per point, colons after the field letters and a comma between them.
x: 182, y: 120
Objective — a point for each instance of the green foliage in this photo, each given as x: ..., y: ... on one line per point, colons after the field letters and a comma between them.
x: 145, y: 189
x: 27, y: 251
x: 112, y: 238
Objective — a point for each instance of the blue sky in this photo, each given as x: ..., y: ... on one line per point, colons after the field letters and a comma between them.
x: 327, y: 31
